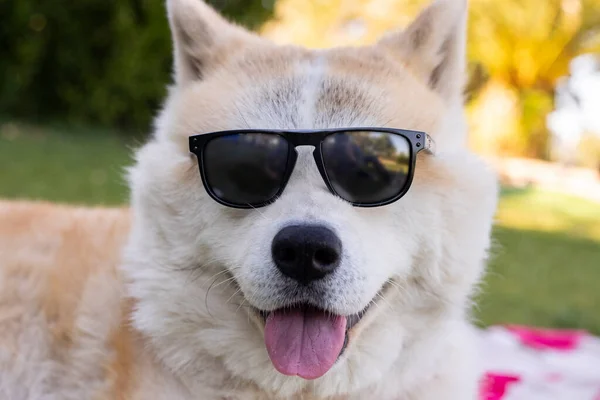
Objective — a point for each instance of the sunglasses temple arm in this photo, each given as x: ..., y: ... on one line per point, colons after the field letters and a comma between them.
x: 429, y: 145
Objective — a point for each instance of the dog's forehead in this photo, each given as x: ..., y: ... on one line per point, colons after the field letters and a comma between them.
x: 293, y: 88
x: 312, y: 100
x: 334, y: 88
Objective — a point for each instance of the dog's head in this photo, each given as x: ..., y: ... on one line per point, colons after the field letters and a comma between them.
x: 335, y: 291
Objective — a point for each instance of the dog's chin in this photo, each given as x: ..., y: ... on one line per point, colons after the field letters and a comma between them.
x: 305, y: 340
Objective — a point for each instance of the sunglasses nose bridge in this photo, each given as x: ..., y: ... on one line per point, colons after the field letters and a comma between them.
x: 311, y: 139
x: 304, y: 139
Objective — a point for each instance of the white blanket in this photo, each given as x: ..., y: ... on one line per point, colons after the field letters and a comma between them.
x: 524, y: 363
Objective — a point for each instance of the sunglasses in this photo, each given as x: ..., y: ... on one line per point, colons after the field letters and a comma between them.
x: 367, y: 167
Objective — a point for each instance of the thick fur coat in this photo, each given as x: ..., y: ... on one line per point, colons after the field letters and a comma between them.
x: 159, y: 301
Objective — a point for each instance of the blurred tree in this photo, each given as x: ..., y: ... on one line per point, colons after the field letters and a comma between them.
x: 517, y: 50
x: 93, y: 61
x: 526, y: 47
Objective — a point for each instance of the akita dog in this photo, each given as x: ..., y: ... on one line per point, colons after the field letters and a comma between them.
x: 304, y: 224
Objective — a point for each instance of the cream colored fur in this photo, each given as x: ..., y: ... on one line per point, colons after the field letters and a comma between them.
x: 157, y: 302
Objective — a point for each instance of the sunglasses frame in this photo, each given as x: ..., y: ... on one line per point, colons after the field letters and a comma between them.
x: 311, y: 137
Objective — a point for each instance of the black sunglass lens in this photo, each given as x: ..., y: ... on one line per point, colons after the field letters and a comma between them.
x: 247, y: 168
x: 367, y: 167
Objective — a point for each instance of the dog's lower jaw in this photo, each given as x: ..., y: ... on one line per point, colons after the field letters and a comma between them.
x: 447, y: 372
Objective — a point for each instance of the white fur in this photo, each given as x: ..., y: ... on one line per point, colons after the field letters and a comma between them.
x: 414, y: 342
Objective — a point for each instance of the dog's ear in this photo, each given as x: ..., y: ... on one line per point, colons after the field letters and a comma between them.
x: 433, y: 46
x: 201, y: 38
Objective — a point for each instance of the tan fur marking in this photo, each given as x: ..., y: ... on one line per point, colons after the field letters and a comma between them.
x: 61, y: 250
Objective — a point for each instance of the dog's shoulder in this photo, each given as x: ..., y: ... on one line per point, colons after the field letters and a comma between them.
x: 56, y: 250
x: 61, y: 308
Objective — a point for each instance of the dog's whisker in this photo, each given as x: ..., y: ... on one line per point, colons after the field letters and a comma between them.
x: 241, y: 305
x: 195, y: 271
x: 262, y: 215
x: 224, y: 271
x: 195, y: 266
x: 232, y: 278
x: 220, y: 273
x: 209, y: 289
x: 396, y: 285
x: 374, y: 303
x: 383, y: 299
x: 234, y: 293
x: 391, y: 282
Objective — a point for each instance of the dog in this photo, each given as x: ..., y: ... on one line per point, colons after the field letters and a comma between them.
x: 281, y: 279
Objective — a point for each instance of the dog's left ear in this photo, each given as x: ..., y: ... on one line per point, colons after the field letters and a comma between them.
x: 202, y: 39
x: 433, y: 46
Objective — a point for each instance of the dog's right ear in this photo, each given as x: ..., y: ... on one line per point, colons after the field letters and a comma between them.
x: 201, y: 38
x: 433, y: 46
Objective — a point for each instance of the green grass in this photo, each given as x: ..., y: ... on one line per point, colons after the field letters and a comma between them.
x: 85, y: 167
x: 545, y: 265
x: 542, y: 278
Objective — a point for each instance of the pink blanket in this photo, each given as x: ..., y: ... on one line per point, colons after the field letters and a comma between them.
x: 523, y: 363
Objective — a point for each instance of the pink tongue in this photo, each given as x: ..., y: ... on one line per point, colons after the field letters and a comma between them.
x: 304, y: 341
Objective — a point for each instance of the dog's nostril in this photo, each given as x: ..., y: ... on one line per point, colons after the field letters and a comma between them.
x: 325, y: 257
x: 306, y: 253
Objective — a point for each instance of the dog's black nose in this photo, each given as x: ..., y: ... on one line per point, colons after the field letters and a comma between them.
x: 306, y: 253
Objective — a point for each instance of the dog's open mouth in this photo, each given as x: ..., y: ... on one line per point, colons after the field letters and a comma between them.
x: 306, y: 341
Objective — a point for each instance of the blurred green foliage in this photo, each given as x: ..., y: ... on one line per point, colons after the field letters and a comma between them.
x: 100, y: 62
